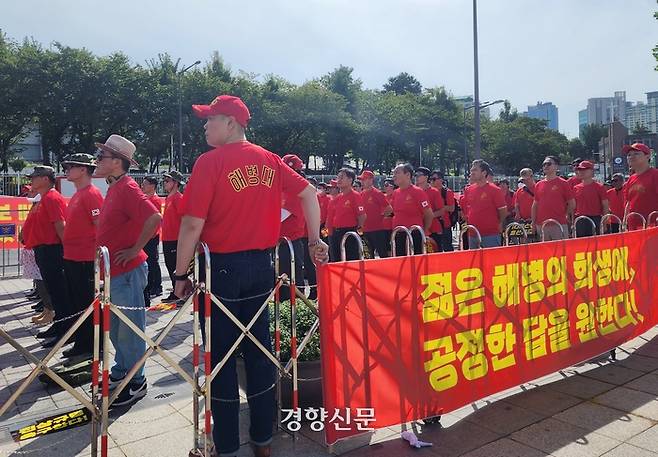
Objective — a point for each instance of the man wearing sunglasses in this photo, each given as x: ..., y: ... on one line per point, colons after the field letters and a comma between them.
x: 641, y: 189
x: 553, y: 200
x: 616, y: 200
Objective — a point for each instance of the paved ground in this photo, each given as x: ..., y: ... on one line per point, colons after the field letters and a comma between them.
x: 596, y: 408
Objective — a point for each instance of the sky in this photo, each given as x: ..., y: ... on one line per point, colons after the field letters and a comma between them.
x: 562, y: 51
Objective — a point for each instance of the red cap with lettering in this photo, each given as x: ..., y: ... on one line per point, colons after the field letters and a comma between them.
x: 228, y: 105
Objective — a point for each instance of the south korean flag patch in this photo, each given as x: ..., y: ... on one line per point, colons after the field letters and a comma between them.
x: 95, y: 212
x: 424, y: 204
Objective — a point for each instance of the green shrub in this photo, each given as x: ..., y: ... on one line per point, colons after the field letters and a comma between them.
x: 305, y: 319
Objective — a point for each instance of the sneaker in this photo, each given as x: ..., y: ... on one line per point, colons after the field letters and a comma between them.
x: 113, y: 384
x: 77, y: 352
x: 48, y: 333
x: 132, y: 393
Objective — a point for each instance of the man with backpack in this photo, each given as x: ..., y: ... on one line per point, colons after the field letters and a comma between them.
x: 449, y: 217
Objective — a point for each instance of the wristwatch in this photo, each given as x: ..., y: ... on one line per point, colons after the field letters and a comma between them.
x: 179, y: 277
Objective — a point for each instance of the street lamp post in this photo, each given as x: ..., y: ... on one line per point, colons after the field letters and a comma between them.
x: 476, y: 83
x: 466, y: 108
x: 180, y: 115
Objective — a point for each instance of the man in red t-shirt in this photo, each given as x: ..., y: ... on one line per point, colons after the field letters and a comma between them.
x: 553, y: 200
x: 616, y: 201
x: 173, y: 212
x: 524, y: 196
x: 346, y: 214
x: 154, y: 284
x: 127, y: 221
x: 486, y: 207
x: 47, y: 234
x: 591, y: 200
x: 80, y: 245
x: 410, y: 207
x: 293, y: 227
x: 641, y: 189
x: 575, y: 179
x: 233, y: 204
x: 375, y: 205
x: 436, y: 203
x: 447, y: 220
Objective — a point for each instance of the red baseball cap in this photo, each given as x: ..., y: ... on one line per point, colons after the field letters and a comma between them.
x: 367, y: 174
x: 585, y: 165
x: 293, y: 162
x: 228, y: 105
x: 637, y: 147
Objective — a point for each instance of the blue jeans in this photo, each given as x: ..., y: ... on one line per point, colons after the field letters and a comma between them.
x: 127, y: 289
x: 488, y: 241
x: 237, y: 275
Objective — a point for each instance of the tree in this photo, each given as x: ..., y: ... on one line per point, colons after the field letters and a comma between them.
x: 655, y: 49
x: 404, y: 83
x: 508, y: 114
x: 591, y: 134
x: 640, y: 129
x: 18, y: 165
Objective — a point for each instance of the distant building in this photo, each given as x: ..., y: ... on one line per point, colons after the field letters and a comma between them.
x: 545, y: 111
x: 29, y: 148
x: 604, y: 110
x: 643, y: 114
x: 464, y: 101
x: 611, y: 157
x: 582, y: 119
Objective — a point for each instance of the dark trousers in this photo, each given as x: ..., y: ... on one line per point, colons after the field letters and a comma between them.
x: 380, y: 241
x: 351, y: 245
x: 309, y: 271
x: 169, y: 252
x: 437, y: 237
x: 614, y: 228
x: 80, y: 280
x: 584, y: 228
x: 284, y: 265
x: 401, y: 243
x: 50, y: 260
x: 154, y: 284
x: 237, y: 275
x: 446, y: 240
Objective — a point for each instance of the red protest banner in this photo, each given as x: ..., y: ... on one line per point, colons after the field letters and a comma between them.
x: 13, y: 211
x: 409, y: 337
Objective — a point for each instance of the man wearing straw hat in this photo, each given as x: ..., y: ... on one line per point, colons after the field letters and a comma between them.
x: 127, y: 221
x: 230, y: 186
x: 80, y: 245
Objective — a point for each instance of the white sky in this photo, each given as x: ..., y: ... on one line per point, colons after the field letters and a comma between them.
x: 563, y: 51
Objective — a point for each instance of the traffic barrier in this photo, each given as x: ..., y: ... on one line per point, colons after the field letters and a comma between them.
x: 423, y: 238
x: 515, y: 226
x: 604, y: 222
x: 343, y: 254
x: 549, y: 222
x: 409, y: 239
x: 41, y: 366
x: 636, y: 215
x: 653, y: 216
x: 465, y: 229
x: 574, y: 234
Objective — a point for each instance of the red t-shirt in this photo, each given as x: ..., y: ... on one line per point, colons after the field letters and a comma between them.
x: 28, y: 227
x: 122, y: 218
x: 173, y: 213
x: 157, y: 202
x: 552, y: 197
x: 408, y: 206
x: 573, y: 181
x: 374, y: 204
x: 448, y: 201
x: 237, y: 189
x: 524, y: 200
x: 509, y: 202
x: 80, y: 231
x: 323, y: 200
x: 387, y: 221
x: 483, y: 203
x: 294, y: 226
x: 616, y: 202
x: 346, y: 208
x: 51, y: 209
x: 589, y: 199
x: 641, y: 194
x: 436, y: 202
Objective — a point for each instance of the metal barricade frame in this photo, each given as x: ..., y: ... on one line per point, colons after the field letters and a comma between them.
x: 516, y: 225
x: 423, y: 238
x: 575, y: 224
x: 547, y: 222
x: 464, y: 230
x: 410, y: 242
x: 343, y: 253
x: 628, y: 216
x: 604, y: 220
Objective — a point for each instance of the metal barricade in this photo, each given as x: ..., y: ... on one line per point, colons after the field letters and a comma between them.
x: 41, y: 366
x: 652, y: 216
x: 423, y: 238
x: 343, y: 253
x: 604, y: 222
x: 548, y: 222
x: 410, y: 242
x: 517, y: 226
x: 633, y: 214
x: 465, y: 229
x: 575, y: 225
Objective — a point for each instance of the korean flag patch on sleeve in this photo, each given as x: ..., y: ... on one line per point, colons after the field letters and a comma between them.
x: 424, y: 204
x: 95, y: 212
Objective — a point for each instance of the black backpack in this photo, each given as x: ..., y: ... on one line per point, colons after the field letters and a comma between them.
x: 454, y: 215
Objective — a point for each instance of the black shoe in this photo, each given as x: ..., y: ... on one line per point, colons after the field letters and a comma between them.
x: 170, y: 299
x: 77, y: 352
x: 37, y: 306
x: 51, y: 342
x: 48, y: 333
x: 156, y: 293
x: 132, y: 393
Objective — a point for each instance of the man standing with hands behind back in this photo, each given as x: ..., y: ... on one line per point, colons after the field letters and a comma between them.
x: 229, y: 185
